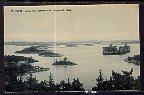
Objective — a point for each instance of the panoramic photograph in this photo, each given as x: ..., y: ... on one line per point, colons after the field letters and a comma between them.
x: 72, y: 47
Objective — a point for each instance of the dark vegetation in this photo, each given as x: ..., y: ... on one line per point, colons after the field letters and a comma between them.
x: 88, y: 44
x: 30, y: 50
x: 64, y: 62
x: 32, y: 84
x: 16, y: 59
x: 14, y: 82
x: 19, y: 65
x: 117, y: 81
x: 50, y: 54
x: 135, y: 59
x: 71, y: 45
x: 37, y: 50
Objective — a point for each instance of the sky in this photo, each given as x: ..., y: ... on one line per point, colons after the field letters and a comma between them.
x: 81, y: 23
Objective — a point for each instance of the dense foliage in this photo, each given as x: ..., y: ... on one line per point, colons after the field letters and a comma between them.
x: 65, y: 61
x: 30, y: 50
x: 13, y: 81
x: 16, y: 59
x: 117, y: 81
x: 17, y: 66
x: 49, y: 54
x: 135, y: 59
x: 32, y: 84
x: 20, y: 65
x: 41, y: 50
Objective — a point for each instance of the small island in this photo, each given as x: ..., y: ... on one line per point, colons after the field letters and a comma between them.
x: 31, y: 50
x: 64, y: 62
x: 89, y: 45
x: 50, y: 54
x: 71, y: 45
x: 135, y: 59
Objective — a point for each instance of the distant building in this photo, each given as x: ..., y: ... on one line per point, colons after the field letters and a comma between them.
x: 113, y: 50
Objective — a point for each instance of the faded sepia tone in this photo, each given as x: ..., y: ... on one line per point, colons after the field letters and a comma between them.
x: 72, y: 47
x: 82, y: 23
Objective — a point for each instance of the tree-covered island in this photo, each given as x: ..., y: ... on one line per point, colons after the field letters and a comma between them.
x: 89, y: 44
x: 135, y: 59
x: 64, y: 62
x: 50, y: 54
x: 41, y: 50
x: 71, y: 45
x: 31, y: 50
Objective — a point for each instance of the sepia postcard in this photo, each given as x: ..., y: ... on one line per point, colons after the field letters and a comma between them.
x: 56, y: 48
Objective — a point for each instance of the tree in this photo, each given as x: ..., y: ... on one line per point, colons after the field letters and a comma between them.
x: 77, y: 86
x: 51, y: 83
x: 43, y: 86
x: 65, y: 59
x: 124, y: 81
x: 63, y: 86
x: 99, y: 85
x: 31, y: 83
x: 137, y: 83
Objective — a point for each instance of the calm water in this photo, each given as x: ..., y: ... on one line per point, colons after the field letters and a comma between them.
x: 89, y: 61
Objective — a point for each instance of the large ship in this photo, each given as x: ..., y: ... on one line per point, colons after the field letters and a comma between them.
x: 113, y: 50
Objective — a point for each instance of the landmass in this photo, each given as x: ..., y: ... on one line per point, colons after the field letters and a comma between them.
x: 20, y: 65
x: 19, y: 59
x: 41, y: 50
x: 88, y: 44
x: 31, y: 50
x: 71, y: 45
x: 64, y: 62
x: 50, y: 54
x: 25, y: 43
x: 135, y: 59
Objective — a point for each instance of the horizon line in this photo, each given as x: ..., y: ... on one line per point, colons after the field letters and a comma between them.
x: 73, y: 41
